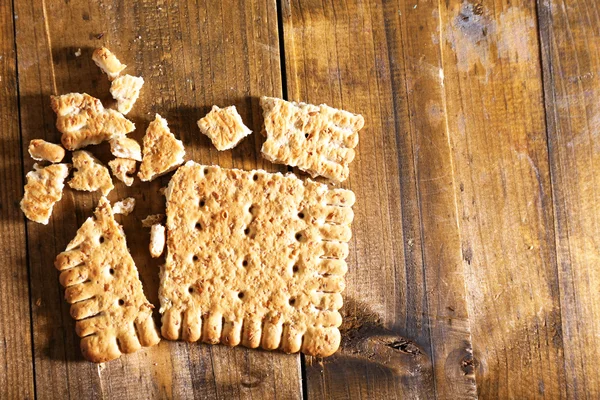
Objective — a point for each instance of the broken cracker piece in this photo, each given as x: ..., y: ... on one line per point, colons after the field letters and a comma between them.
x: 319, y: 140
x: 103, y: 287
x: 162, y: 151
x: 123, y: 169
x: 83, y: 120
x: 152, y: 220
x: 126, y: 90
x: 41, y: 150
x: 224, y: 127
x: 157, y: 240
x: 43, y: 189
x: 125, y: 147
x: 254, y: 258
x: 124, y: 207
x: 90, y: 174
x: 108, y: 62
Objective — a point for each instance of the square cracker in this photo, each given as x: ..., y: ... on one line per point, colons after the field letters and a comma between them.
x: 104, y: 290
x: 224, y: 127
x: 254, y: 258
x: 319, y: 140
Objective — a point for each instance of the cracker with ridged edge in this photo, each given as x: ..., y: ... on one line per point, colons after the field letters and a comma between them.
x: 104, y: 290
x: 319, y: 140
x: 254, y: 258
x: 162, y: 151
x: 83, y: 120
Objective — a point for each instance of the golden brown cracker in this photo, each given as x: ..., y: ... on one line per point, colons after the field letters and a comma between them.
x: 108, y: 62
x: 40, y: 150
x: 224, y: 127
x: 43, y: 189
x: 90, y: 174
x: 162, y: 151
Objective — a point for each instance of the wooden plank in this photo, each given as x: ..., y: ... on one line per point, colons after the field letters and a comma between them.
x: 191, y: 56
x: 496, y: 116
x: 16, y: 370
x: 571, y: 58
x: 383, y: 60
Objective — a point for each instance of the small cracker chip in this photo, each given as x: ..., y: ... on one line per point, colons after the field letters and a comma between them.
x: 108, y: 62
x: 124, y: 207
x: 104, y: 290
x: 224, y: 127
x: 125, y: 147
x: 153, y: 219
x: 90, y: 174
x: 123, y: 169
x: 157, y: 240
x: 83, y: 120
x: 319, y: 140
x: 162, y: 152
x: 41, y: 150
x: 254, y: 258
x: 126, y: 90
x: 43, y: 189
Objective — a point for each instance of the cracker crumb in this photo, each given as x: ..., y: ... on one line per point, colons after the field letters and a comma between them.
x: 124, y: 207
x: 41, y: 150
x: 126, y: 90
x: 125, y: 147
x: 90, y: 174
x: 78, y: 53
x: 152, y: 220
x: 224, y: 127
x: 83, y: 120
x: 108, y: 62
x: 123, y: 169
x: 44, y: 188
x: 157, y: 240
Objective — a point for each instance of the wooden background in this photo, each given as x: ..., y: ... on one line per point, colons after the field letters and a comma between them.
x: 474, y: 266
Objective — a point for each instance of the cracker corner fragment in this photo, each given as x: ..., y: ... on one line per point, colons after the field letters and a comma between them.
x: 319, y: 140
x: 102, y: 285
x: 162, y: 152
x: 272, y: 260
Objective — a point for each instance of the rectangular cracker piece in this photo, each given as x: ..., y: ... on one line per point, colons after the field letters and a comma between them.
x: 108, y: 62
x: 125, y: 147
x: 103, y: 287
x: 319, y: 140
x: 83, y: 120
x: 254, y: 258
x: 43, y: 189
x: 224, y: 127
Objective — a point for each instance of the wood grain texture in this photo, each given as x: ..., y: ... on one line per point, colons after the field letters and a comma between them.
x: 496, y: 116
x: 378, y: 59
x: 191, y: 56
x: 16, y: 367
x: 570, y: 41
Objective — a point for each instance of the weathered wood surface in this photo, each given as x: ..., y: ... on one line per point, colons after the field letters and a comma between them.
x: 570, y: 40
x: 16, y: 367
x: 474, y: 266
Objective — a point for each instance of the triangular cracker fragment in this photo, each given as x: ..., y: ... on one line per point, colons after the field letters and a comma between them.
x: 90, y: 174
x: 319, y: 140
x: 41, y: 150
x: 83, y: 120
x: 102, y: 284
x: 126, y: 90
x: 123, y: 169
x: 43, y: 189
x: 124, y: 207
x: 224, y: 127
x: 153, y: 219
x: 157, y: 240
x: 108, y: 62
x: 254, y: 258
x: 125, y: 147
x: 162, y: 152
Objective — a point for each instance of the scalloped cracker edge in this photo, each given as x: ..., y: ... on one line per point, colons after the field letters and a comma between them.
x: 254, y: 258
x: 102, y: 285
